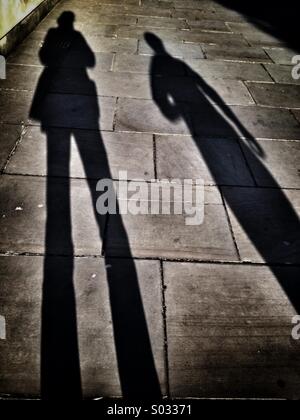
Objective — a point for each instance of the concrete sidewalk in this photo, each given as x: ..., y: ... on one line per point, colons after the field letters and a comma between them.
x: 145, y: 305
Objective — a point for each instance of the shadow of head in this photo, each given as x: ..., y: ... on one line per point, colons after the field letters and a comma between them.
x: 66, y: 21
x: 155, y: 43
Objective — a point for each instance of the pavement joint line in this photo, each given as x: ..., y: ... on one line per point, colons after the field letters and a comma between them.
x: 29, y: 124
x: 155, y: 157
x: 8, y: 254
x: 247, y: 163
x: 105, y: 236
x: 249, y: 91
x: 114, y: 122
x: 69, y: 93
x: 164, y: 315
x: 294, y: 116
x: 24, y: 129
x: 156, y: 180
x: 138, y: 47
x: 230, y: 225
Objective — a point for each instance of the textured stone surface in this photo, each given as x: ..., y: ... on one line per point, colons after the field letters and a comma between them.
x: 268, y: 123
x: 25, y: 210
x: 224, y: 336
x: 281, y: 55
x: 180, y: 157
x: 275, y: 95
x: 168, y: 236
x: 176, y: 49
x: 209, y: 69
x: 253, y: 35
x: 220, y: 107
x: 265, y: 223
x: 247, y: 54
x: 21, y: 301
x: 69, y: 111
x: 270, y: 171
x: 144, y: 116
x: 10, y: 134
x: 104, y: 154
x: 141, y: 64
x: 282, y: 73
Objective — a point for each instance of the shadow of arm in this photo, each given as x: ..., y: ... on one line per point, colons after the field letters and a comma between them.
x: 215, y: 98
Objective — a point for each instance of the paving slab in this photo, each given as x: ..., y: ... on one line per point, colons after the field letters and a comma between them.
x: 205, y: 12
x: 103, y: 44
x: 254, y: 122
x: 194, y: 90
x: 275, y: 95
x: 29, y: 56
x: 235, y: 53
x: 208, y: 25
x: 158, y: 3
x: 262, y: 39
x: 111, y: 84
x: 225, y: 339
x: 137, y: 32
x: 270, y: 123
x: 156, y: 22
x: 22, y: 306
x: 282, y: 73
x: 69, y: 111
x: 23, y: 208
x: 112, y: 8
x: 25, y: 78
x: 92, y: 18
x: 192, y: 4
x: 200, y: 13
x: 175, y: 49
x: 105, y: 154
x: 253, y: 35
x: 210, y: 69
x: 83, y: 27
x: 137, y: 115
x: 270, y: 171
x: 216, y: 161
x: 265, y: 223
x: 10, y: 134
x: 281, y: 55
x: 215, y: 38
x: 231, y: 92
x: 296, y: 114
x: 126, y: 63
x: 15, y: 106
x: 106, y: 30
x: 78, y: 111
x: 168, y: 236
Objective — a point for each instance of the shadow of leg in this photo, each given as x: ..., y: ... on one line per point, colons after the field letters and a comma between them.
x: 136, y: 365
x: 60, y: 366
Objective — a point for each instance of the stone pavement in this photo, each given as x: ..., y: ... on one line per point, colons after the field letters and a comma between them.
x: 146, y: 305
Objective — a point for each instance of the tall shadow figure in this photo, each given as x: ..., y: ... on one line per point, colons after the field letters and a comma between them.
x: 65, y: 48
x: 194, y: 101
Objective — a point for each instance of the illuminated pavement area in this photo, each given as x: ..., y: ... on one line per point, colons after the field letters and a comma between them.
x: 146, y: 305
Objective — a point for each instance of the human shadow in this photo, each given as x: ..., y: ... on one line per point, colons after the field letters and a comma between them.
x: 264, y: 214
x: 66, y: 57
x: 277, y: 19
